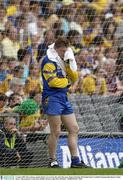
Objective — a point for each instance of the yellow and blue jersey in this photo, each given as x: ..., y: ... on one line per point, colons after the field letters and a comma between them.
x: 53, y: 79
x: 55, y: 88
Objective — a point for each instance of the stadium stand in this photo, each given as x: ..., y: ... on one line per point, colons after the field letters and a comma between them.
x: 87, y: 108
x: 95, y: 33
x: 91, y: 121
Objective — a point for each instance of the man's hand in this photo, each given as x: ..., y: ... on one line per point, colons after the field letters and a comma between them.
x: 14, y: 130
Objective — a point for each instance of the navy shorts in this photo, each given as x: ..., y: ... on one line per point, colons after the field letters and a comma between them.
x: 57, y: 105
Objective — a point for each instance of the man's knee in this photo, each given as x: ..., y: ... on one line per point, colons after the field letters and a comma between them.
x: 74, y: 130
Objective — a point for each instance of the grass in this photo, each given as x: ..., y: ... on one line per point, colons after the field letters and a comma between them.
x: 49, y: 171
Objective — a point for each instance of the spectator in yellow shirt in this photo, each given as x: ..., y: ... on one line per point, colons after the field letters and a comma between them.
x: 31, y: 118
x: 88, y: 85
x: 33, y: 82
x: 99, y: 5
x: 12, y: 8
x: 10, y: 43
x: 88, y: 37
x: 94, y: 84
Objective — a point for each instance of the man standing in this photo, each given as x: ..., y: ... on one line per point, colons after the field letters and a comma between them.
x: 58, y: 71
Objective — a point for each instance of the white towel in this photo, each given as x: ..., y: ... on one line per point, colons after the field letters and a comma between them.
x: 70, y: 55
x: 53, y: 56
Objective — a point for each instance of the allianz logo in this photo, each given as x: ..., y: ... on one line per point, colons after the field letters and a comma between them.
x: 93, y: 157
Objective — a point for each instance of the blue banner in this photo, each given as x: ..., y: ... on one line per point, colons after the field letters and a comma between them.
x: 95, y: 152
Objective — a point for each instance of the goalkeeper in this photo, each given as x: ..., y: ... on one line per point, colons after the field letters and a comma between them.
x: 13, y: 150
x: 58, y: 70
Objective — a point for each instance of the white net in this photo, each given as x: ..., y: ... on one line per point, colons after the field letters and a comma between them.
x: 95, y: 32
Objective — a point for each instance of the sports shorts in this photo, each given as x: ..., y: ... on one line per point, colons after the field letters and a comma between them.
x: 57, y: 105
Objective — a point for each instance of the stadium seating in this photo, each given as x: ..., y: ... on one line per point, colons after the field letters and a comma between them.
x: 84, y: 99
x: 91, y: 127
x: 75, y: 108
x: 98, y: 99
x: 82, y: 127
x: 102, y: 109
x: 97, y: 113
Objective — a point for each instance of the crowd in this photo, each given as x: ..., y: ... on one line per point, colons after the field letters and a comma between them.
x: 27, y: 28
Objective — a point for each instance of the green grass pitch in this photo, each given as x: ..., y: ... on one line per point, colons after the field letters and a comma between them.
x: 49, y: 171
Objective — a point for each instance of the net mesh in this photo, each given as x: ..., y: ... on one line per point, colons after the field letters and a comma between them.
x: 95, y: 32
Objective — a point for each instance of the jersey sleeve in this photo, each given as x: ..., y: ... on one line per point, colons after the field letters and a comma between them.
x: 72, y: 75
x: 50, y: 75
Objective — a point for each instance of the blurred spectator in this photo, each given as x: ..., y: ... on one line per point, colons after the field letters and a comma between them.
x: 59, y: 33
x: 13, y: 149
x: 114, y: 85
x: 21, y: 24
x: 101, y: 86
x: 42, y: 27
x: 33, y: 82
x: 13, y: 101
x: 16, y: 86
x: 3, y: 102
x: 18, y: 72
x: 111, y: 54
x: 30, y: 117
x: 32, y: 17
x: 99, y: 5
x: 75, y: 40
x: 24, y: 7
x: 88, y: 86
x: 1, y: 47
x: 33, y: 47
x: 48, y: 39
x: 57, y: 26
x: 11, y: 64
x: 24, y: 57
x: 94, y: 83
x: 51, y: 17
x: 10, y: 43
x: 11, y: 8
x: 3, y: 18
x: 62, y: 14
x: 84, y: 64
x: 99, y: 55
x: 119, y: 60
x: 4, y: 77
x: 96, y: 25
x: 119, y: 65
x: 119, y: 33
x: 67, y: 13
x: 109, y: 29
x: 87, y: 38
x: 34, y: 11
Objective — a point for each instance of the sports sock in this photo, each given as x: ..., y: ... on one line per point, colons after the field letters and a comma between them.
x: 75, y: 160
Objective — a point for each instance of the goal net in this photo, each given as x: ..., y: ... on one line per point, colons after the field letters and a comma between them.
x: 95, y: 32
